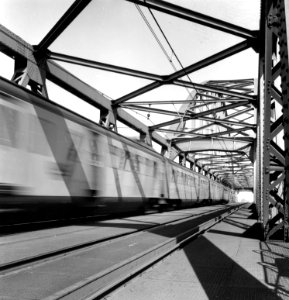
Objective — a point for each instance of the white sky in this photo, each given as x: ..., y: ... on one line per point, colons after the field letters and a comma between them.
x: 112, y: 31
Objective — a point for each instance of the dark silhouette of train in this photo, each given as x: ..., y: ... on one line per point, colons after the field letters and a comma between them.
x: 52, y: 156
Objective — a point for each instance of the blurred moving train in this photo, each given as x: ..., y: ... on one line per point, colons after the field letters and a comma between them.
x: 50, y: 155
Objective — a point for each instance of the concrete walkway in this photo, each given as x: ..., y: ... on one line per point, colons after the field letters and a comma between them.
x: 228, y: 262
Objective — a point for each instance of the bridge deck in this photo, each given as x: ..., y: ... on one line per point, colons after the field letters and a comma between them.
x: 228, y: 262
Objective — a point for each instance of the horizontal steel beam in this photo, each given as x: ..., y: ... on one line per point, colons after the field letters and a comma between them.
x: 171, y: 79
x: 195, y: 116
x: 220, y: 157
x: 171, y: 122
x: 15, y: 46
x: 74, y: 85
x: 102, y: 66
x: 214, y: 149
x: 213, y: 89
x: 197, y: 129
x: 209, y: 60
x: 159, y: 102
x: 138, y: 92
x: 229, y: 161
x: 218, y: 109
x: 238, y: 113
x: 224, y: 121
x: 229, y: 165
x: 240, y: 139
x: 222, y: 167
x: 226, y: 169
x: 196, y: 17
x: 165, y: 102
x: 237, y: 174
x: 153, y: 110
x: 242, y: 132
x: 180, y: 132
x: 205, y: 138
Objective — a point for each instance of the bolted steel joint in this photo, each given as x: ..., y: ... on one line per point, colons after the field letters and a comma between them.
x: 273, y: 20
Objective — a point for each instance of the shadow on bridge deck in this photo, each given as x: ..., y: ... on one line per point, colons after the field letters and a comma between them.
x: 228, y: 262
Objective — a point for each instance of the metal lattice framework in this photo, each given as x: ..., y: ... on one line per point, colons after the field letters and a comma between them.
x: 230, y: 130
x: 271, y: 185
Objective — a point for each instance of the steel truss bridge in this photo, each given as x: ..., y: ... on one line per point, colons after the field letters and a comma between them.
x: 233, y: 131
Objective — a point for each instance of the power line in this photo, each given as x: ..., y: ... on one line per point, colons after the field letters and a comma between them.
x: 155, y: 36
x: 169, y: 44
x: 174, y: 53
x: 169, y: 58
x: 160, y: 44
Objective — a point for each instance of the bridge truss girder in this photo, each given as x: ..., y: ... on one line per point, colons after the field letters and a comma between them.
x: 35, y: 64
x: 221, y: 111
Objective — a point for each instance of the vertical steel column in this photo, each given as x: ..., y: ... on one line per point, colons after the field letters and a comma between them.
x: 264, y: 111
x: 273, y: 161
x: 257, y: 197
x: 283, y: 34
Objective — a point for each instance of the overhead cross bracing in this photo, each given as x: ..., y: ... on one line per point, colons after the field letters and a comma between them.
x: 210, y: 123
x: 218, y: 126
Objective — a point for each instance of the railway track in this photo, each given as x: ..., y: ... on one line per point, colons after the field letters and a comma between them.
x: 88, y: 270
x: 26, y: 225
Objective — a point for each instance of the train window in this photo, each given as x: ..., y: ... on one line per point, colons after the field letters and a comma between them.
x: 37, y: 138
x: 114, y: 150
x: 115, y: 153
x: 155, y: 169
x: 74, y: 141
x: 94, y: 148
x: 142, y: 165
x: 148, y: 167
x: 123, y: 163
x: 181, y: 177
x: 136, y: 162
x: 9, y: 126
x: 173, y: 176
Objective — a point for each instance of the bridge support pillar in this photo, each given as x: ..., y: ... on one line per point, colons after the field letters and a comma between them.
x: 272, y: 153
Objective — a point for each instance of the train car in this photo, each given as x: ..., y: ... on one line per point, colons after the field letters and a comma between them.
x: 52, y: 156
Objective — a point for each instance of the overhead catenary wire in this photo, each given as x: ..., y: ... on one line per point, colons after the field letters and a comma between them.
x: 136, y: 112
x: 171, y: 48
x: 155, y: 36
x: 160, y: 44
x: 173, y: 53
x: 164, y: 51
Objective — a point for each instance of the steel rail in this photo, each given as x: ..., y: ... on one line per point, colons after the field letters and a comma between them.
x: 150, y: 257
